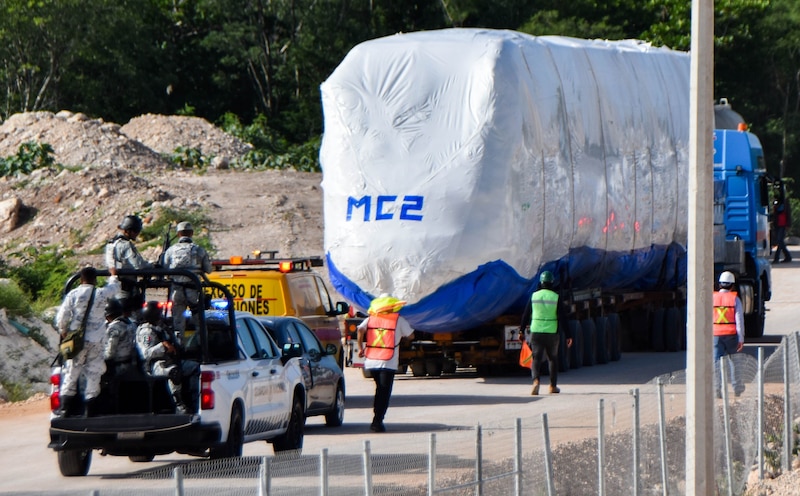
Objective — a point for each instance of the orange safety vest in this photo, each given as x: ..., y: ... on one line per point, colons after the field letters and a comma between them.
x: 724, y: 313
x: 380, y: 336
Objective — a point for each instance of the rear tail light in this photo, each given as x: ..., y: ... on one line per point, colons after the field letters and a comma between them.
x: 55, y: 391
x: 206, y: 392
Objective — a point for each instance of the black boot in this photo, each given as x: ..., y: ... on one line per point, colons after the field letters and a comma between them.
x: 180, y: 406
x: 91, y: 408
x: 68, y: 406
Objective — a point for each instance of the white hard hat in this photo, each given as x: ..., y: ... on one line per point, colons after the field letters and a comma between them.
x: 727, y: 278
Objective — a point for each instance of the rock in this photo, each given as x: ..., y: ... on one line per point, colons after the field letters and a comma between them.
x: 9, y: 214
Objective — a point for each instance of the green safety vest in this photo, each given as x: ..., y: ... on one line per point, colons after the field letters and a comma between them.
x: 544, y: 306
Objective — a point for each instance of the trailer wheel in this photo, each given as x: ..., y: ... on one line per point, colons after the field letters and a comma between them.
x: 615, y: 330
x: 576, y: 350
x: 74, y: 463
x: 449, y: 366
x: 589, y: 342
x: 367, y: 373
x: 418, y: 368
x: 754, y: 323
x: 672, y: 329
x: 601, y: 326
x: 657, y: 331
x: 433, y: 366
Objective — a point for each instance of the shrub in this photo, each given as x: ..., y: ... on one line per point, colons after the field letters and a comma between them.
x: 29, y: 157
x: 13, y: 299
x: 41, y: 273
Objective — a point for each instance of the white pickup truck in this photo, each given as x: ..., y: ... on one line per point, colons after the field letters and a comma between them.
x: 247, y: 389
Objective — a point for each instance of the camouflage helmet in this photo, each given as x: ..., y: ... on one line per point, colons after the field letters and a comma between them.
x: 114, y: 308
x: 131, y: 223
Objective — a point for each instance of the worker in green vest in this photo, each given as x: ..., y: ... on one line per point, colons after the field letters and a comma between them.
x: 546, y: 313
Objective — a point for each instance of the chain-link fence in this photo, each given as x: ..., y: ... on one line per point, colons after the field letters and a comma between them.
x: 631, y: 443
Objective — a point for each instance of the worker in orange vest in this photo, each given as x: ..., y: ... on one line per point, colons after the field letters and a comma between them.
x: 379, y: 337
x: 728, y: 325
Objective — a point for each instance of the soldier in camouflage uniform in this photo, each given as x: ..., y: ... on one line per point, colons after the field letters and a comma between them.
x: 120, y: 352
x: 89, y: 361
x: 121, y: 253
x: 161, y: 354
x: 185, y: 254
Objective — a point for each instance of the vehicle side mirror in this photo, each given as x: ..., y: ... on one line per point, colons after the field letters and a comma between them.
x: 341, y: 308
x: 291, y: 350
x: 331, y: 349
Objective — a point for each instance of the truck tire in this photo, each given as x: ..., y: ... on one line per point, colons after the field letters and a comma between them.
x: 601, y: 326
x: 141, y: 458
x: 449, y: 366
x: 672, y: 325
x: 433, y: 366
x: 657, y: 330
x: 589, y: 342
x: 74, y: 463
x: 615, y: 330
x: 576, y: 351
x: 335, y: 417
x: 366, y: 373
x: 418, y: 368
x: 292, y: 439
x: 235, y: 441
x: 754, y: 323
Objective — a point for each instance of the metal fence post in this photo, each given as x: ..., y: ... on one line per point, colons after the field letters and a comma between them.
x: 518, y: 456
x: 548, y: 461
x: 662, y: 436
x: 177, y: 472
x: 726, y: 424
x: 787, y: 412
x: 601, y: 449
x: 323, y: 472
x: 432, y: 465
x: 479, y: 460
x: 761, y: 406
x: 367, y: 469
x: 635, y: 441
x: 264, y: 477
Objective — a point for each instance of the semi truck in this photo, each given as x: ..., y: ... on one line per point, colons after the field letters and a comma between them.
x: 460, y: 164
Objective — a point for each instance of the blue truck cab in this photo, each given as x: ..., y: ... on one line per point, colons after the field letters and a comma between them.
x: 741, y: 221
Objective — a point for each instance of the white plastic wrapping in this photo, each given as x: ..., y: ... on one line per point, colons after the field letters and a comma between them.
x: 474, y: 146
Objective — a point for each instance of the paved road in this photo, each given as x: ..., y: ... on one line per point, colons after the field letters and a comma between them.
x: 419, y: 406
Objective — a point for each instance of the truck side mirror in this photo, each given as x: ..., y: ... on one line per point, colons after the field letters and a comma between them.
x: 342, y: 308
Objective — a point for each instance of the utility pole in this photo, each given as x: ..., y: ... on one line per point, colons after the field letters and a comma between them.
x: 700, y: 274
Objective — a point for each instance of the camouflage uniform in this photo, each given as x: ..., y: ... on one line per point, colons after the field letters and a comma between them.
x: 121, y: 253
x: 120, y: 350
x: 159, y: 362
x: 89, y: 361
x: 185, y: 255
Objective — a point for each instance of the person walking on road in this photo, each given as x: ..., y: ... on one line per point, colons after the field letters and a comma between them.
x: 728, y: 327
x: 379, y: 336
x: 185, y: 254
x: 547, y: 312
x: 781, y: 217
x: 86, y: 303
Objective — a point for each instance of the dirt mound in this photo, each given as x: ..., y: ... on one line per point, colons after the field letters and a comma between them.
x: 165, y: 133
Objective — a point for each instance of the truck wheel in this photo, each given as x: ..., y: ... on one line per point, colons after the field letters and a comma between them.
x: 589, y: 342
x: 657, y: 331
x: 233, y: 445
x: 601, y: 326
x: 366, y: 373
x: 292, y: 439
x: 74, y: 463
x: 335, y: 417
x: 449, y: 366
x: 433, y: 366
x: 754, y: 323
x: 418, y: 368
x: 141, y: 458
x: 615, y: 328
x: 576, y: 350
x: 672, y: 329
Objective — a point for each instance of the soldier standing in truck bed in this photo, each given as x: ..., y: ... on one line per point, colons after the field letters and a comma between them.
x: 121, y: 253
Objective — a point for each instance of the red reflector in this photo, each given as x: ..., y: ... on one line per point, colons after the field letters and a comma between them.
x: 285, y: 266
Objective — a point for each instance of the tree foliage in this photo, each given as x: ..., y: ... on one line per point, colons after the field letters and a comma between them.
x: 262, y: 61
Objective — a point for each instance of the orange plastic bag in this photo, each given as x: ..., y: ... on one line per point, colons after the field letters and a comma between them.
x: 525, y: 356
